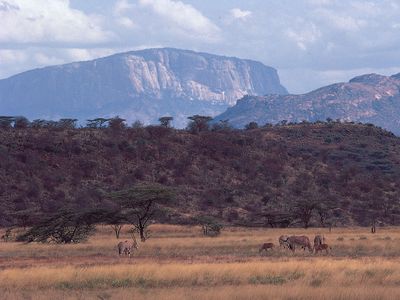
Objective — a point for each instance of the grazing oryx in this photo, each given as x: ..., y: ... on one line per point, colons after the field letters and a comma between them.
x: 319, y: 240
x: 301, y: 241
x: 266, y: 246
x: 283, y: 241
x: 322, y: 247
x: 127, y: 247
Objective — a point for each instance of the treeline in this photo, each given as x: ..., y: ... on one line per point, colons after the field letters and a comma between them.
x: 308, y: 174
x: 196, y: 123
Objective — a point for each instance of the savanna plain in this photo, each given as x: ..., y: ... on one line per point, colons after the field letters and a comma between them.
x: 177, y: 262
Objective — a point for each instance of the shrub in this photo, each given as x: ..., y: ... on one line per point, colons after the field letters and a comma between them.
x: 209, y: 225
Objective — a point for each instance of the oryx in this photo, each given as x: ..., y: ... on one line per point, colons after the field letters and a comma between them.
x: 127, y: 247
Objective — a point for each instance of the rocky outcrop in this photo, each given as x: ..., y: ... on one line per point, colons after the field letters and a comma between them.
x: 370, y: 98
x: 139, y: 85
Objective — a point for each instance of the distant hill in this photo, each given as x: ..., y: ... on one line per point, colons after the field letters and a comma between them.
x: 138, y: 85
x: 324, y: 173
x: 368, y: 98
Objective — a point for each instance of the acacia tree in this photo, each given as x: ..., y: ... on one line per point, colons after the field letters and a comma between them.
x: 141, y: 203
x: 21, y: 122
x: 97, y: 123
x: 38, y: 123
x: 67, y: 123
x: 6, y: 122
x: 117, y: 124
x: 64, y: 227
x: 251, y: 126
x: 199, y: 123
x: 165, y: 121
x: 303, y: 209
x: 117, y: 229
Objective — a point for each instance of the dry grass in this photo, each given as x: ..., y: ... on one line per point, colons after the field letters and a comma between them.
x: 178, y: 263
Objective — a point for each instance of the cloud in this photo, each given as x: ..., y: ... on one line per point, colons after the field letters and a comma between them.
x: 121, y: 8
x: 82, y: 54
x: 341, y: 21
x: 183, y: 17
x: 237, y: 13
x: 304, y: 36
x: 48, y: 21
x: 320, y: 2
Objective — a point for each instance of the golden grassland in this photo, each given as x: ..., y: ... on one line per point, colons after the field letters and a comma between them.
x: 178, y: 263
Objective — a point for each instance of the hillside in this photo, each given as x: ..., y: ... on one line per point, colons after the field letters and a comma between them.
x: 368, y: 98
x: 319, y: 174
x: 138, y: 85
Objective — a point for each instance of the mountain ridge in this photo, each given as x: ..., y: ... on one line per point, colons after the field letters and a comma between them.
x: 368, y: 98
x: 137, y: 85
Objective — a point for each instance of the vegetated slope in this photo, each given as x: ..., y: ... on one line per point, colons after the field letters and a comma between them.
x: 368, y: 98
x: 138, y: 85
x: 305, y: 174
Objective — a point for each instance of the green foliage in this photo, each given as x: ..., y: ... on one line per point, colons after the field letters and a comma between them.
x: 6, y: 122
x: 7, y: 236
x: 210, y: 225
x: 117, y: 124
x: 21, y: 123
x: 251, y: 126
x: 198, y: 124
x: 67, y: 123
x: 222, y: 125
x: 64, y: 227
x: 165, y: 121
x: 97, y: 123
x: 141, y: 203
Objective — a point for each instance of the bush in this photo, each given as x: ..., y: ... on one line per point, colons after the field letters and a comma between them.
x: 209, y: 225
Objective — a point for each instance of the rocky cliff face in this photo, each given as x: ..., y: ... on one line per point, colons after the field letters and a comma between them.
x: 368, y: 98
x: 139, y: 85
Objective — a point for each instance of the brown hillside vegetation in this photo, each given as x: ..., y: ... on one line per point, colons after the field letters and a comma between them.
x: 324, y: 174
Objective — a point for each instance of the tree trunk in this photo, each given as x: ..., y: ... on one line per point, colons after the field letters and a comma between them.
x: 373, y: 228
x: 117, y: 230
x: 142, y: 235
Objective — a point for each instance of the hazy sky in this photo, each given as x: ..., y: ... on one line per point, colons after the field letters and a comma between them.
x: 310, y: 42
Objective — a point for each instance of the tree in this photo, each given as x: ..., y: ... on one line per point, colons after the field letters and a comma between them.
x: 209, y: 225
x: 303, y: 209
x: 116, y: 124
x: 222, y: 125
x: 38, y: 123
x: 7, y: 236
x: 6, y: 122
x: 50, y: 124
x: 67, y: 123
x: 141, y: 203
x: 64, y: 227
x: 198, y: 123
x: 137, y: 124
x: 97, y: 123
x: 165, y: 121
x: 251, y: 126
x: 21, y: 122
x: 115, y: 219
x: 282, y: 123
x: 117, y: 229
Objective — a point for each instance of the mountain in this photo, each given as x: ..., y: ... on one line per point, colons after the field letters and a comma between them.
x: 138, y: 85
x: 370, y: 98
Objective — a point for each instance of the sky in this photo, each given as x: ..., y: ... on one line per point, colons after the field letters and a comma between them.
x: 311, y: 43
